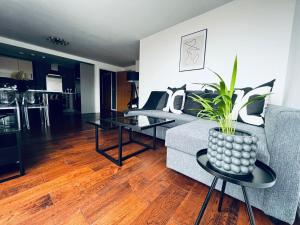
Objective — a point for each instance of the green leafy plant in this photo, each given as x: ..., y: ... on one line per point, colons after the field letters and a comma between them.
x: 220, y: 107
x: 19, y: 75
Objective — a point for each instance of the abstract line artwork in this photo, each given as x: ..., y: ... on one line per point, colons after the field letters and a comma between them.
x: 192, y: 51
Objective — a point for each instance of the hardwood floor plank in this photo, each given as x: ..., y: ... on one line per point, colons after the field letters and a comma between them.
x: 16, y: 186
x: 26, y: 210
x: 105, y: 202
x: 177, y: 179
x: 243, y: 215
x: 187, y: 212
x: 124, y: 213
x: 40, y: 190
x: 161, y: 209
x: 76, y: 219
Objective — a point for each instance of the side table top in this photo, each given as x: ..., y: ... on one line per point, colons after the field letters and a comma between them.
x: 262, y: 176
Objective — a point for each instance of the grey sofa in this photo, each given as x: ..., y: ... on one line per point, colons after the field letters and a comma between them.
x: 278, y: 147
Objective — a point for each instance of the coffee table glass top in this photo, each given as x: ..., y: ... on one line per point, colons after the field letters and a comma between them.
x: 262, y: 176
x: 137, y: 122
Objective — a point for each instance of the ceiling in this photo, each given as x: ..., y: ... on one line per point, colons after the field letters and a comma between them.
x: 103, y: 30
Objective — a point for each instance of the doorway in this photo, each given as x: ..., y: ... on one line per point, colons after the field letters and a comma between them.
x: 108, y: 88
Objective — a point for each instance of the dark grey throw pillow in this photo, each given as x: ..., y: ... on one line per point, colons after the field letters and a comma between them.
x: 156, y: 100
x: 191, y: 107
x: 178, y: 102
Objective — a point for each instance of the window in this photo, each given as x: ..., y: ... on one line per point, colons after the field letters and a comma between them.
x: 54, y: 83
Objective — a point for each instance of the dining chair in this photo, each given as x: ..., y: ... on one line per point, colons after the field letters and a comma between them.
x: 36, y: 100
x: 8, y: 102
x: 2, y: 116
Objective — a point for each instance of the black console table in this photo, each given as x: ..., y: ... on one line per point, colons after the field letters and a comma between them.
x: 12, y: 154
x: 262, y: 177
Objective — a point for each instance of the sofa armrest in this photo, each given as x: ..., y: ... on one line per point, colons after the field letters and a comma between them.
x: 131, y: 111
x: 282, y: 128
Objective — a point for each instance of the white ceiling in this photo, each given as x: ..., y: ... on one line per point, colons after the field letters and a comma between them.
x: 103, y: 30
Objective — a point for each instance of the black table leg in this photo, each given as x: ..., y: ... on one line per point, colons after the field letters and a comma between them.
x: 222, y: 196
x: 154, y: 138
x: 97, y: 137
x: 120, y: 145
x: 249, y: 209
x: 130, y: 134
x: 19, y: 147
x: 212, y: 187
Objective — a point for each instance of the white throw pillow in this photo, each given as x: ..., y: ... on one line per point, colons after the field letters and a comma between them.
x: 254, y: 113
x: 176, y: 99
x: 179, y: 108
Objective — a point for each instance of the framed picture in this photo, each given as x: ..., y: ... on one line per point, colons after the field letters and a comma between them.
x: 192, y: 51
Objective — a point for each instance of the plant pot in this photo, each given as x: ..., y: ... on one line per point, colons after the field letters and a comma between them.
x: 233, y: 154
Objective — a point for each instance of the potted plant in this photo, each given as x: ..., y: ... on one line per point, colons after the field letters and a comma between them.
x: 229, y: 150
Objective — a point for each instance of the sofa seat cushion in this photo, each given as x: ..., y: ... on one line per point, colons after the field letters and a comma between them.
x: 192, y: 137
x: 179, y: 118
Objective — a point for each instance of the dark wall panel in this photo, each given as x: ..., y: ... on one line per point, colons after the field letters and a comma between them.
x: 40, y: 71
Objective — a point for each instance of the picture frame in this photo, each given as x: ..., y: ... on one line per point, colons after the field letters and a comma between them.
x: 192, y: 51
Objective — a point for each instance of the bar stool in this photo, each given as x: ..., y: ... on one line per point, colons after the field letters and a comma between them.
x: 9, y: 101
x: 36, y: 100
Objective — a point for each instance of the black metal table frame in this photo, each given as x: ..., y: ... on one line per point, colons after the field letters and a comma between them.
x: 118, y: 161
x: 20, y: 157
x: 235, y: 180
x: 207, y: 198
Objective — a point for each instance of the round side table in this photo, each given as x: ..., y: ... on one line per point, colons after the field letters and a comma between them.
x: 262, y: 177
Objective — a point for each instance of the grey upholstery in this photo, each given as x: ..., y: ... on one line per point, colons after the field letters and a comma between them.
x: 282, y: 127
x: 179, y: 118
x: 196, y: 135
x: 278, y: 146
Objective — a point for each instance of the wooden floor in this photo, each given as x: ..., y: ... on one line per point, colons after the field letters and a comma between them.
x: 68, y: 183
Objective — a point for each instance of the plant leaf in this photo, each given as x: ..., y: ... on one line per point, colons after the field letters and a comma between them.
x: 233, y: 77
x: 214, y: 86
x: 221, y: 79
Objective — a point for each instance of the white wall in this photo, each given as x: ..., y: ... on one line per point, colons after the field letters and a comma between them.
x: 292, y: 93
x: 134, y: 67
x: 257, y: 31
x: 137, y: 65
x: 97, y: 88
x: 88, y: 88
x: 130, y: 68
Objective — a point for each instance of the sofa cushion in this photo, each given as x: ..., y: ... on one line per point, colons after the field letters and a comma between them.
x: 192, y: 137
x: 253, y: 113
x: 156, y: 100
x: 179, y: 118
x: 176, y: 98
x: 190, y: 106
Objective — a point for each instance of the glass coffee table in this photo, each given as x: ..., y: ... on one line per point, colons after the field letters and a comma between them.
x: 129, y: 123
